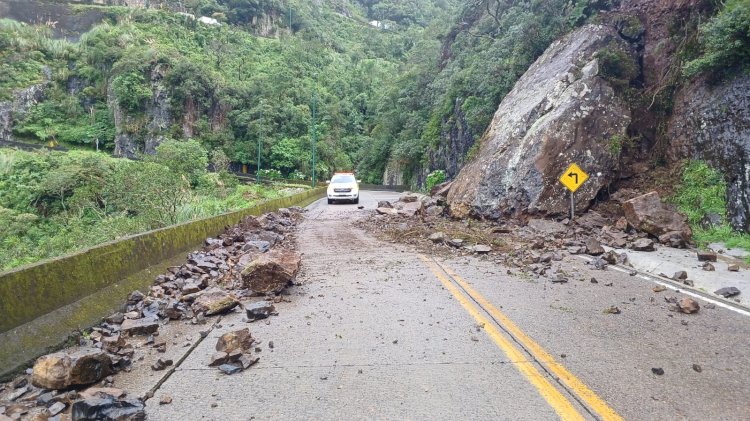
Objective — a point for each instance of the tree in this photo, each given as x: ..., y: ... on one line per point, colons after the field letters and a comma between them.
x: 185, y: 158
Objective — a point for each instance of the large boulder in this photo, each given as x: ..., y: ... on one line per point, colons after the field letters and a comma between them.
x: 561, y: 111
x: 271, y: 272
x: 712, y: 122
x: 62, y: 370
x: 648, y: 214
x: 214, y: 301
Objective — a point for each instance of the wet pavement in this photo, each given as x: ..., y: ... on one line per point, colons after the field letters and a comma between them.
x: 376, y: 330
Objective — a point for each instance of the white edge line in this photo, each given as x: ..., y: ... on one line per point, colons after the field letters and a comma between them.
x: 656, y: 280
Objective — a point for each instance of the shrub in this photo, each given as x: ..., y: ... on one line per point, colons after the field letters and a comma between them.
x: 435, y: 178
x: 186, y: 158
x: 131, y: 91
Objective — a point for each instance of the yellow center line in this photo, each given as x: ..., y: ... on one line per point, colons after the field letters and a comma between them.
x: 592, y: 400
x: 554, y: 398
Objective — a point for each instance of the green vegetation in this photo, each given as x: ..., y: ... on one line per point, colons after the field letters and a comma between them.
x: 54, y: 203
x: 724, y: 42
x: 434, y: 178
x: 703, y: 192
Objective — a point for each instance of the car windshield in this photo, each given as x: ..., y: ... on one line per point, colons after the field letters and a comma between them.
x: 340, y: 179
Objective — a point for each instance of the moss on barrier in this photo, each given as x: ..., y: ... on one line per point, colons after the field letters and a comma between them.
x: 29, y: 292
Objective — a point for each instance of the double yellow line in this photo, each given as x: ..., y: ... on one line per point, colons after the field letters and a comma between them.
x: 562, y: 406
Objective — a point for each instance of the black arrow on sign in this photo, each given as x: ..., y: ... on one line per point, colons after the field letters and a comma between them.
x: 574, y: 175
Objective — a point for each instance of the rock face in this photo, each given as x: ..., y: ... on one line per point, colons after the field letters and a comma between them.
x: 11, y: 111
x: 62, y: 369
x: 648, y: 214
x: 712, y: 123
x: 560, y: 111
x: 271, y: 272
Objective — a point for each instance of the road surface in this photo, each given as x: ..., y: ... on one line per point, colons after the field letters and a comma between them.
x: 376, y: 330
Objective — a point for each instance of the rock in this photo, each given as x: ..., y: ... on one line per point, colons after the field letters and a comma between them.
x: 697, y: 368
x: 706, y: 256
x: 545, y: 226
x: 62, y: 370
x: 659, y: 288
x: 135, y: 297
x: 260, y: 245
x: 386, y: 211
x: 680, y: 275
x: 165, y: 400
x: 16, y: 394
x: 622, y: 224
x: 236, y: 340
x: 594, y: 248
x: 271, y: 272
x: 647, y: 213
x: 441, y: 190
x: 230, y: 369
x: 115, y: 319
x: 559, y: 112
x: 56, y: 408
x: 727, y: 292
x: 144, y: 326
x: 600, y: 264
x: 612, y: 310
x: 482, y: 249
x: 259, y: 310
x: 658, y: 371
x: 733, y: 268
x: 710, y: 220
x: 438, y: 237
x: 688, y: 305
x: 383, y: 204
x: 643, y: 244
x: 708, y: 267
x: 435, y: 211
x: 108, y: 409
x: 214, y: 301
x: 410, y: 209
x: 456, y: 242
x: 409, y: 198
x: 673, y: 239
x: 247, y: 361
x: 161, y: 364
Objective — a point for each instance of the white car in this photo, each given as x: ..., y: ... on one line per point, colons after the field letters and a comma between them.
x: 343, y: 187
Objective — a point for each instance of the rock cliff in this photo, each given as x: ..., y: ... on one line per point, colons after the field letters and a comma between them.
x: 561, y: 111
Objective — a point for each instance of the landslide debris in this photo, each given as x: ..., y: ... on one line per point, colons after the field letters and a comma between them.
x: 257, y: 257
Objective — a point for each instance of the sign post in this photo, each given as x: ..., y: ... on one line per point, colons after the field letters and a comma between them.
x: 572, y: 179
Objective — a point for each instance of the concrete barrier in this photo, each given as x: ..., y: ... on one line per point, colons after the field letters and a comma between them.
x: 41, y: 303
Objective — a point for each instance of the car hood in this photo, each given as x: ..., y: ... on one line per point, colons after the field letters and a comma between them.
x: 342, y: 186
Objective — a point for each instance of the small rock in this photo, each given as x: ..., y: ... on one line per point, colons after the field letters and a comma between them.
x: 236, y: 340
x: 643, y: 244
x: 145, y: 326
x: 438, y: 237
x: 727, y: 292
x: 659, y: 288
x: 734, y: 268
x: 259, y: 310
x: 612, y: 310
x: 697, y: 368
x: 56, y: 408
x: 20, y: 382
x: 218, y: 358
x: 658, y: 371
x: 230, y: 369
x: 708, y: 267
x: 161, y: 364
x: 688, y: 305
x: 482, y: 249
x: 108, y: 408
x: 456, y: 242
x: 360, y: 207
x: 594, y: 281
x: 680, y: 275
x: 594, y: 247
x: 600, y: 264
x: 706, y: 256
x: 385, y: 204
x: 165, y: 400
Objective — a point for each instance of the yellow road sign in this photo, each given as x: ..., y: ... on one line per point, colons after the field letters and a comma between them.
x: 573, y: 177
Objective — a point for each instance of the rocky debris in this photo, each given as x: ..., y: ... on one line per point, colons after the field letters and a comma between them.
x: 271, y: 272
x: 387, y: 211
x: 594, y: 247
x: 658, y: 371
x: 688, y: 305
x: 165, y: 399
x: 456, y: 242
x: 56, y: 408
x: 237, y: 340
x: 411, y: 208
x: 144, y: 326
x: 230, y: 369
x: 94, y: 392
x: 62, y: 370
x: 214, y: 301
x: 441, y: 190
x: 557, y: 113
x: 647, y: 213
x: 480, y: 249
x: 680, y: 276
x: 612, y: 310
x: 108, y: 409
x: 659, y: 288
x: 384, y: 204
x: 546, y: 226
x: 643, y: 244
x: 727, y: 292
x: 733, y: 268
x: 259, y: 310
x: 708, y: 267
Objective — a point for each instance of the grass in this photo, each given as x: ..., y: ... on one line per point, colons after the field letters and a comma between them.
x: 703, y: 191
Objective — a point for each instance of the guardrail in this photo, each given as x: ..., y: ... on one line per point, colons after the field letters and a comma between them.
x: 75, y: 282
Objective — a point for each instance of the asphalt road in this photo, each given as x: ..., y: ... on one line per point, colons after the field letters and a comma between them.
x: 376, y: 330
